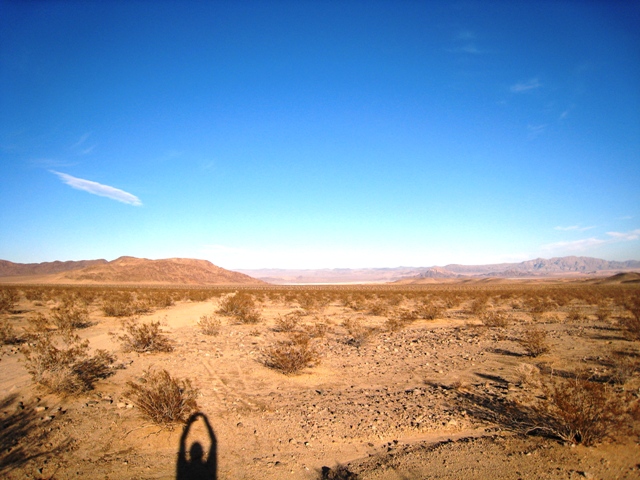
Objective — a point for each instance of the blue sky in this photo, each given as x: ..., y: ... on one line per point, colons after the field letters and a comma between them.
x: 319, y: 134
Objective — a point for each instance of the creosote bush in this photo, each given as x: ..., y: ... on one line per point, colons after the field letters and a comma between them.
x: 8, y: 334
x: 291, y: 355
x: 9, y: 297
x: 144, y: 337
x: 69, y: 316
x: 163, y: 399
x: 209, y: 325
x: 288, y: 322
x: 357, y: 331
x: 579, y: 410
x: 428, y: 310
x: 63, y: 365
x: 494, y: 319
x: 534, y: 341
x: 241, y: 306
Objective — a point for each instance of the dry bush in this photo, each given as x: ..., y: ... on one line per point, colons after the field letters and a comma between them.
x: 357, y: 331
x: 528, y: 375
x: 209, y: 325
x: 69, y: 316
x: 578, y: 410
x: 163, y: 399
x: 479, y: 306
x: 631, y: 325
x: 394, y: 324
x: 289, y: 322
x: 603, y: 313
x: 494, y: 319
x: 8, y: 335
x: 378, y: 307
x: 62, y: 364
x: 291, y: 355
x: 9, y: 297
x: 317, y: 330
x: 143, y: 337
x: 241, y: 306
x: 122, y: 304
x: 428, y: 310
x: 534, y: 341
x: 575, y: 315
x: 623, y: 366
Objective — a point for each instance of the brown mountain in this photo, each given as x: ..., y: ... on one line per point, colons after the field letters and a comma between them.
x: 46, y: 268
x: 131, y: 270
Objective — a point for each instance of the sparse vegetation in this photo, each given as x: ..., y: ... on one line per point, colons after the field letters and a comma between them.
x: 291, y: 355
x: 9, y: 297
x: 63, y: 364
x: 534, y: 341
x: 163, y: 399
x: 144, y: 337
x: 240, y: 306
x: 209, y: 325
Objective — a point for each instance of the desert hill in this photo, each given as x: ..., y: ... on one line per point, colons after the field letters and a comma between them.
x: 131, y: 270
x: 570, y: 266
x: 46, y: 268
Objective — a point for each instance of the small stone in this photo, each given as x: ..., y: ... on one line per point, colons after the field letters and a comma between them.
x: 121, y: 404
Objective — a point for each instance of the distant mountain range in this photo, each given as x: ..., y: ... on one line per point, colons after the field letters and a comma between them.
x: 540, y: 267
x: 125, y: 270
x: 184, y: 271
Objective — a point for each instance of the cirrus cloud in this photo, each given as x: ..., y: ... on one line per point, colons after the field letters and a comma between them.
x: 99, y: 189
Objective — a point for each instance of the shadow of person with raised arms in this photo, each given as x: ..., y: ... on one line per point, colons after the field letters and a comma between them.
x: 196, y: 467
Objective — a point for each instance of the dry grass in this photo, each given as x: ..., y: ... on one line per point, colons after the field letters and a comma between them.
x: 8, y: 335
x: 163, y: 399
x: 494, y: 319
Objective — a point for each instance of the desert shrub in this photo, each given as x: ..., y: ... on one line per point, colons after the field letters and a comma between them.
x: 70, y: 315
x: 631, y: 325
x: 356, y: 302
x: 240, y: 306
x: 494, y: 319
x: 622, y: 366
x: 317, y: 330
x: 63, y: 365
x: 378, y: 307
x: 478, y: 306
x: 209, y: 325
x: 358, y: 333
x: 340, y: 472
x: 575, y: 315
x: 8, y: 335
x: 119, y: 304
x: 288, y: 322
x: 9, y: 297
x: 534, y: 341
x: 161, y: 398
x: 603, y: 313
x: 428, y: 310
x: 143, y: 337
x: 578, y: 410
x: 528, y: 374
x: 291, y: 355
x: 394, y: 324
x: 159, y: 299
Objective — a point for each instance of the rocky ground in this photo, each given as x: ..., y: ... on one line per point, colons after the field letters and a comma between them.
x: 430, y: 399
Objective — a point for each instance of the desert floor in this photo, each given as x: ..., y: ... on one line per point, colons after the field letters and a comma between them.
x: 405, y: 399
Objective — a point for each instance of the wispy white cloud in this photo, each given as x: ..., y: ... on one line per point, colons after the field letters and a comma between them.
x: 574, y: 228
x: 534, y: 131
x: 575, y: 245
x: 80, y: 147
x: 98, y: 189
x: 586, y: 243
x: 526, y: 86
x: 626, y: 236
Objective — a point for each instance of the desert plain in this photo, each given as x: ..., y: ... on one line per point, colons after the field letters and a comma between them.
x: 487, y: 379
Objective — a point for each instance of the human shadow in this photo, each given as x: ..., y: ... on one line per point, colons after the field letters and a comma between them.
x: 196, y: 467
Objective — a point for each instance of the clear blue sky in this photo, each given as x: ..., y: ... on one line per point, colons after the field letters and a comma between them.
x: 302, y: 134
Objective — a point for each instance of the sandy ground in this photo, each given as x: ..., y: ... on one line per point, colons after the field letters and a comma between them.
x: 404, y: 404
